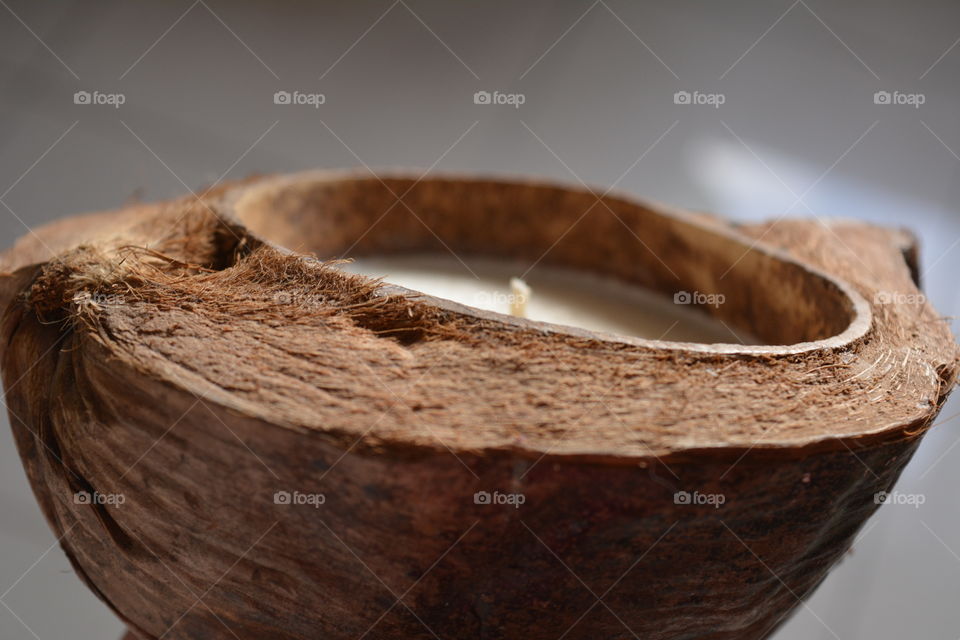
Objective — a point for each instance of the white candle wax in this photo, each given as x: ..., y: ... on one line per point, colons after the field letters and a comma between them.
x: 560, y: 296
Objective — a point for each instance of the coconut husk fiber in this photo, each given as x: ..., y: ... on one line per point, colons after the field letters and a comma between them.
x: 202, y: 356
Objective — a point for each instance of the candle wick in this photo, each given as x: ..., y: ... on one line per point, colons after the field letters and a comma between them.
x: 520, y: 293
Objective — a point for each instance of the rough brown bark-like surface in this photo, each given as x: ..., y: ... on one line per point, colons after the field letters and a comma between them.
x: 177, y: 355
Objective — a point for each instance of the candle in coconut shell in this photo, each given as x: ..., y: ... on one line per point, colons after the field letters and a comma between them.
x: 198, y: 396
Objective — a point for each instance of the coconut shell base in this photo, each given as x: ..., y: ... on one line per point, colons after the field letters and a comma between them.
x: 190, y: 357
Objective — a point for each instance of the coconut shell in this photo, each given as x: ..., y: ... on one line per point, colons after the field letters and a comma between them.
x: 305, y: 453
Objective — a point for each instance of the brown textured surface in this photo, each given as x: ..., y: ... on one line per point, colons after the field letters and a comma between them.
x: 399, y: 408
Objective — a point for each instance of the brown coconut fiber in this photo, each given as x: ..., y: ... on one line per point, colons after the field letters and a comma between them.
x: 202, y: 356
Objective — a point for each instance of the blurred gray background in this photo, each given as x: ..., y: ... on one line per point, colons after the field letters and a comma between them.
x: 799, y: 133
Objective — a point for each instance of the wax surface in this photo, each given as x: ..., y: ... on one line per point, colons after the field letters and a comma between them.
x: 560, y: 296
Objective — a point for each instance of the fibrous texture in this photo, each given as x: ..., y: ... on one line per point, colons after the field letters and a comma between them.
x: 203, y: 356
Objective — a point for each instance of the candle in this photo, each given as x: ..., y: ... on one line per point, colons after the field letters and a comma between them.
x: 552, y: 294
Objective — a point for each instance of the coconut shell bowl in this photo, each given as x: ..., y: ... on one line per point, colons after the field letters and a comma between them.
x: 373, y: 462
